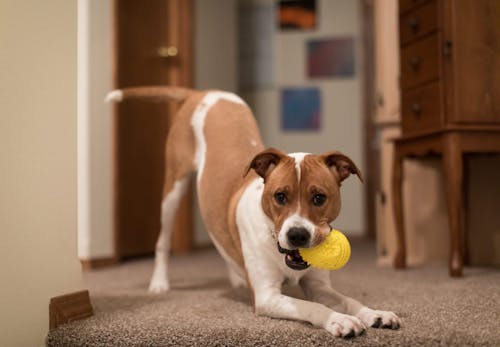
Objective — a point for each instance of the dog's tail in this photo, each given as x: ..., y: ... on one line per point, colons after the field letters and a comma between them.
x: 153, y: 93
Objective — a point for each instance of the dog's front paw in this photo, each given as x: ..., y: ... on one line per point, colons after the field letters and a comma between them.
x: 379, y: 319
x: 342, y: 325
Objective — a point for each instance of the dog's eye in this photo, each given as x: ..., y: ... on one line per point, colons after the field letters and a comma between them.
x: 319, y: 199
x: 280, y: 198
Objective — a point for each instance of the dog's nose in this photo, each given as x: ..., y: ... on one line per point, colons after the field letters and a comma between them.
x: 298, y: 237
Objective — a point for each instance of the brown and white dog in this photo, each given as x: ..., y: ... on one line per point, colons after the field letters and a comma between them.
x: 259, y: 206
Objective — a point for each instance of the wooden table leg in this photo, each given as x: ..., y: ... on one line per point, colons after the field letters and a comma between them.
x: 397, y: 204
x: 453, y: 176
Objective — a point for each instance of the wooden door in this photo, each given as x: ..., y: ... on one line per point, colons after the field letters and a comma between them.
x: 144, y: 31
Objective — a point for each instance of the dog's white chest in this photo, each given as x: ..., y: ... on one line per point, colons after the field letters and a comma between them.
x: 259, y: 247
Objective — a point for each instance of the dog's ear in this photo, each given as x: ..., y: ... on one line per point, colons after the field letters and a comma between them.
x: 264, y: 162
x: 343, y: 165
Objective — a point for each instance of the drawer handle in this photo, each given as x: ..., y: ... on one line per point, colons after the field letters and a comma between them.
x: 447, y: 46
x: 414, y: 25
x: 416, y: 109
x: 414, y: 63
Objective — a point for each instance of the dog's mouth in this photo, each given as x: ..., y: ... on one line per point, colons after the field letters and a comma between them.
x: 293, y: 259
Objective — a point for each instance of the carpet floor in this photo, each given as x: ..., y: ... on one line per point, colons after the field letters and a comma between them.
x: 203, y: 310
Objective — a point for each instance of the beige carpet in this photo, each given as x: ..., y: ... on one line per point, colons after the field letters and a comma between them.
x: 203, y: 310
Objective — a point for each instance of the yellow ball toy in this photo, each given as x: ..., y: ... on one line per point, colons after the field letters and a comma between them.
x: 331, y: 254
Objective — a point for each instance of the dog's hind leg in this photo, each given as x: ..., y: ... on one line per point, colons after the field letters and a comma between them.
x: 179, y: 166
x: 175, y: 190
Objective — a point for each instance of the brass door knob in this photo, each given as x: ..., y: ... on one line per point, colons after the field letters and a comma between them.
x: 167, y: 51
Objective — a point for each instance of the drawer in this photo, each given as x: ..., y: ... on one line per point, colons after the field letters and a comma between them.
x: 418, y: 23
x: 407, y: 5
x: 420, y: 62
x: 422, y: 109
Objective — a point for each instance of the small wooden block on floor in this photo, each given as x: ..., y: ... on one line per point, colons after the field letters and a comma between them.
x: 70, y: 307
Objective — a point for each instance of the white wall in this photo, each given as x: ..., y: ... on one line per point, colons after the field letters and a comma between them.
x: 215, y: 45
x: 215, y: 62
x: 38, y: 198
x: 95, y: 161
x: 342, y: 100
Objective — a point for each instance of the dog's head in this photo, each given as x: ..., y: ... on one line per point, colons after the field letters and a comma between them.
x: 301, y: 196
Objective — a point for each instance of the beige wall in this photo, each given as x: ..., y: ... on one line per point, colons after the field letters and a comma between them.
x: 38, y: 164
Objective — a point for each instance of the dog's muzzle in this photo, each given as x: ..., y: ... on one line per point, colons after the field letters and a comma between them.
x: 293, y: 259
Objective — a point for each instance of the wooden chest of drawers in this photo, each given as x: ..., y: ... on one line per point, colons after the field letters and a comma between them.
x: 450, y: 101
x: 450, y: 65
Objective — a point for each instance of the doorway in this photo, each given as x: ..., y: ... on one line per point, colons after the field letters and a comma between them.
x: 153, y: 46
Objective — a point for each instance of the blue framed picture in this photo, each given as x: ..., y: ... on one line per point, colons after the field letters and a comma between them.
x: 300, y: 109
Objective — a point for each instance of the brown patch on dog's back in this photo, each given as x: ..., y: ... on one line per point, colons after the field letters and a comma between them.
x: 232, y: 137
x: 180, y: 144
